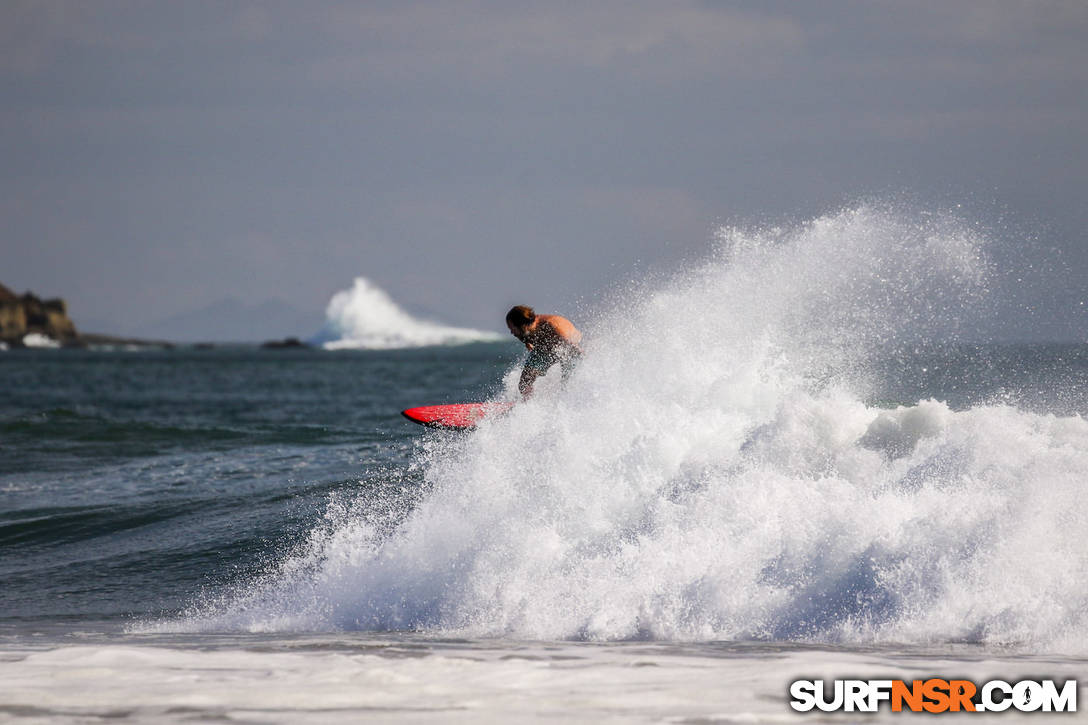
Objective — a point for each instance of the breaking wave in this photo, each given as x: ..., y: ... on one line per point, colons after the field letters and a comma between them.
x: 365, y: 317
x: 716, y: 469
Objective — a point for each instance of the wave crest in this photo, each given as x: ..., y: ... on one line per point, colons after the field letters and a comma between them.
x: 713, y: 471
x: 365, y: 317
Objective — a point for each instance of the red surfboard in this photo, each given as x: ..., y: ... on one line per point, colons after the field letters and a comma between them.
x: 459, y: 416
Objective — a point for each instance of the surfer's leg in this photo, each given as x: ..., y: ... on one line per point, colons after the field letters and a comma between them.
x: 568, y: 364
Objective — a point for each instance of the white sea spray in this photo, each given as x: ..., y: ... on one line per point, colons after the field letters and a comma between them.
x: 366, y: 317
x: 714, y: 471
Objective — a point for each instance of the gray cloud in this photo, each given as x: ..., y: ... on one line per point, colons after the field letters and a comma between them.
x: 162, y: 155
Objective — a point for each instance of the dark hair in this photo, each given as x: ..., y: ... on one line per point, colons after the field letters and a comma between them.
x: 520, y: 316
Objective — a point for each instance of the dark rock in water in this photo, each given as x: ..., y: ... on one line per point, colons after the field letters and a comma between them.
x: 285, y: 344
x: 28, y: 314
x: 91, y: 339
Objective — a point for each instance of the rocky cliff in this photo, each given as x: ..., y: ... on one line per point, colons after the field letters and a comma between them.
x: 27, y: 314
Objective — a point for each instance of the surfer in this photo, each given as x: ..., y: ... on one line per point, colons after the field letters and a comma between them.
x: 550, y: 339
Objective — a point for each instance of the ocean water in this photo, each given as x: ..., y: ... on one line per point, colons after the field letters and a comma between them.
x: 786, y: 461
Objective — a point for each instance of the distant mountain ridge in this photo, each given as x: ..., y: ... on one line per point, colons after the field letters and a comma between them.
x: 233, y: 320
x: 28, y: 321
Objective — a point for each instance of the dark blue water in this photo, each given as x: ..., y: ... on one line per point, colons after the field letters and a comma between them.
x: 132, y: 483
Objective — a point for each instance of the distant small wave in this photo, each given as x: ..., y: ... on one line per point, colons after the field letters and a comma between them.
x: 36, y: 339
x: 365, y: 317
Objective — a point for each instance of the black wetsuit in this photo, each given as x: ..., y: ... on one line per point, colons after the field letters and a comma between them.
x: 549, y: 348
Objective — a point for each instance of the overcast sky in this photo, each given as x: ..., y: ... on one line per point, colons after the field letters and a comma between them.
x: 159, y: 157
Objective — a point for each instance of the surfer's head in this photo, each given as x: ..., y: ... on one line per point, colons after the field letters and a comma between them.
x: 518, y: 319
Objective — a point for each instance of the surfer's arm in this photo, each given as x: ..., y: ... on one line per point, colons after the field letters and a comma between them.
x: 528, y: 377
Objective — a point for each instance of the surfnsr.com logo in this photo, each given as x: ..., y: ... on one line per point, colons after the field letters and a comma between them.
x: 933, y: 695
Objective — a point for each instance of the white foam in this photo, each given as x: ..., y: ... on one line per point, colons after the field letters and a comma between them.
x: 366, y: 317
x: 712, y: 472
x: 328, y: 680
x: 37, y: 339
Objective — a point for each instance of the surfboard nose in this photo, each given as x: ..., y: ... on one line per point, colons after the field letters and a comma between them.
x: 457, y: 416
